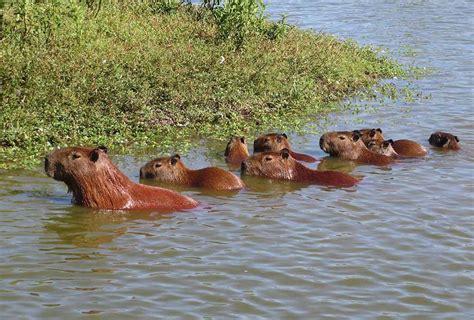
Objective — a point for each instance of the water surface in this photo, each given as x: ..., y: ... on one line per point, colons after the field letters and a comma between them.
x: 398, y: 246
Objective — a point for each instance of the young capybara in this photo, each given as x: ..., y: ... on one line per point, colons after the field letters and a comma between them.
x: 173, y: 170
x: 371, y: 135
x: 444, y: 140
x: 277, y: 142
x: 281, y: 165
x: 349, y: 145
x: 236, y: 150
x: 385, y: 148
x: 408, y: 148
x: 96, y: 182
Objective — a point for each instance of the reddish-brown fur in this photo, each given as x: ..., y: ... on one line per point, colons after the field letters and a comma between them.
x: 173, y: 170
x: 349, y: 145
x: 277, y: 142
x: 385, y: 147
x: 444, y: 140
x: 280, y: 165
x: 409, y: 149
x: 371, y: 135
x: 236, y: 150
x: 96, y: 182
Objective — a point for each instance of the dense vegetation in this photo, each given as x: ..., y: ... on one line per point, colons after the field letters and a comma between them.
x: 146, y: 72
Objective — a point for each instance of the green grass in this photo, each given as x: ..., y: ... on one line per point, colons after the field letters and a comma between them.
x: 129, y: 77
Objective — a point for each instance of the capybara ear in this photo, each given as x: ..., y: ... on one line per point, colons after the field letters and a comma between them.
x: 379, y: 130
x: 94, y: 155
x: 387, y: 143
x: 242, y: 139
x: 372, y: 133
x: 285, y: 153
x: 356, y: 135
x: 103, y: 148
x: 457, y: 139
x: 174, y: 159
x: 284, y: 135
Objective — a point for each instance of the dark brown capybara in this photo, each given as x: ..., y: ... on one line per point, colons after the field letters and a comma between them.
x: 444, y: 140
x: 348, y: 145
x: 96, y: 182
x: 277, y: 142
x: 281, y: 165
x: 236, y: 150
x: 173, y: 170
x: 385, y: 148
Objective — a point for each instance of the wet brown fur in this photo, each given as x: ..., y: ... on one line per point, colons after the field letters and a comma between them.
x: 277, y: 142
x: 349, y: 145
x: 409, y: 149
x: 96, y: 182
x: 371, y: 135
x: 236, y: 150
x: 280, y: 165
x: 384, y: 148
x: 173, y: 170
x: 444, y: 140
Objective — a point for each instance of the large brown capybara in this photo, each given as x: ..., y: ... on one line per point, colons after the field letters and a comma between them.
x: 348, y: 145
x: 444, y: 140
x: 173, y: 170
x: 96, y: 182
x: 281, y: 165
x: 236, y: 150
x: 385, y: 148
x: 277, y: 142
x: 371, y: 135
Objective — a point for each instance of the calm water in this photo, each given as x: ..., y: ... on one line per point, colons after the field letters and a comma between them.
x: 399, y: 246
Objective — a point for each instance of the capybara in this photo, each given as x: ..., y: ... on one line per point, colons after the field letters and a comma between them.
x: 173, y: 170
x: 281, y: 165
x: 349, y: 145
x: 408, y: 148
x: 236, y: 150
x: 371, y: 135
x: 96, y: 182
x: 385, y: 147
x: 444, y: 140
x: 277, y: 142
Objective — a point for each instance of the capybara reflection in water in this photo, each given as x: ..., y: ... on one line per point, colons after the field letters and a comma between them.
x: 385, y: 148
x: 96, y: 182
x: 236, y: 150
x: 349, y: 145
x: 281, y: 165
x: 173, y: 170
x: 277, y: 142
x: 444, y: 140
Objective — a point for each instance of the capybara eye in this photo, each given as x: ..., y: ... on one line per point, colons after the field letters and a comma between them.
x: 342, y: 137
x: 157, y: 165
x: 268, y: 158
x: 75, y: 156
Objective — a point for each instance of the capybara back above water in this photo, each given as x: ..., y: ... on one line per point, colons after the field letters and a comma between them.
x: 348, y: 145
x: 277, y: 142
x: 280, y: 165
x: 444, y: 140
x: 236, y: 150
x: 96, y: 182
x: 408, y: 148
x: 173, y: 170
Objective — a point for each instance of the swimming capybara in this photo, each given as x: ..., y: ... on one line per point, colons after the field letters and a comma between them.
x: 281, y: 165
x: 277, y: 142
x: 96, y: 182
x: 444, y: 140
x: 236, y: 150
x: 349, y: 145
x: 371, y: 135
x: 173, y: 170
x: 385, y: 148
x: 409, y: 149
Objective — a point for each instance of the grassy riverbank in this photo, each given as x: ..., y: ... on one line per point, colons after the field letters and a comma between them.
x: 134, y: 76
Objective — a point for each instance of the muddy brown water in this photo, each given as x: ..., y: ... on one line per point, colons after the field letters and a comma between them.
x: 398, y: 246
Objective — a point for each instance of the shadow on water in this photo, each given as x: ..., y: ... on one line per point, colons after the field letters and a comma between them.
x: 88, y: 228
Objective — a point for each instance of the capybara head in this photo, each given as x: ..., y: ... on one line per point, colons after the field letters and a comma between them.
x: 271, y: 142
x: 75, y: 163
x: 444, y: 140
x: 236, y: 148
x: 370, y: 135
x: 277, y: 165
x: 385, y: 148
x: 344, y: 144
x: 166, y: 169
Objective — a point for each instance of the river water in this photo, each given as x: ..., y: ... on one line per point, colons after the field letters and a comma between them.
x: 398, y: 246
